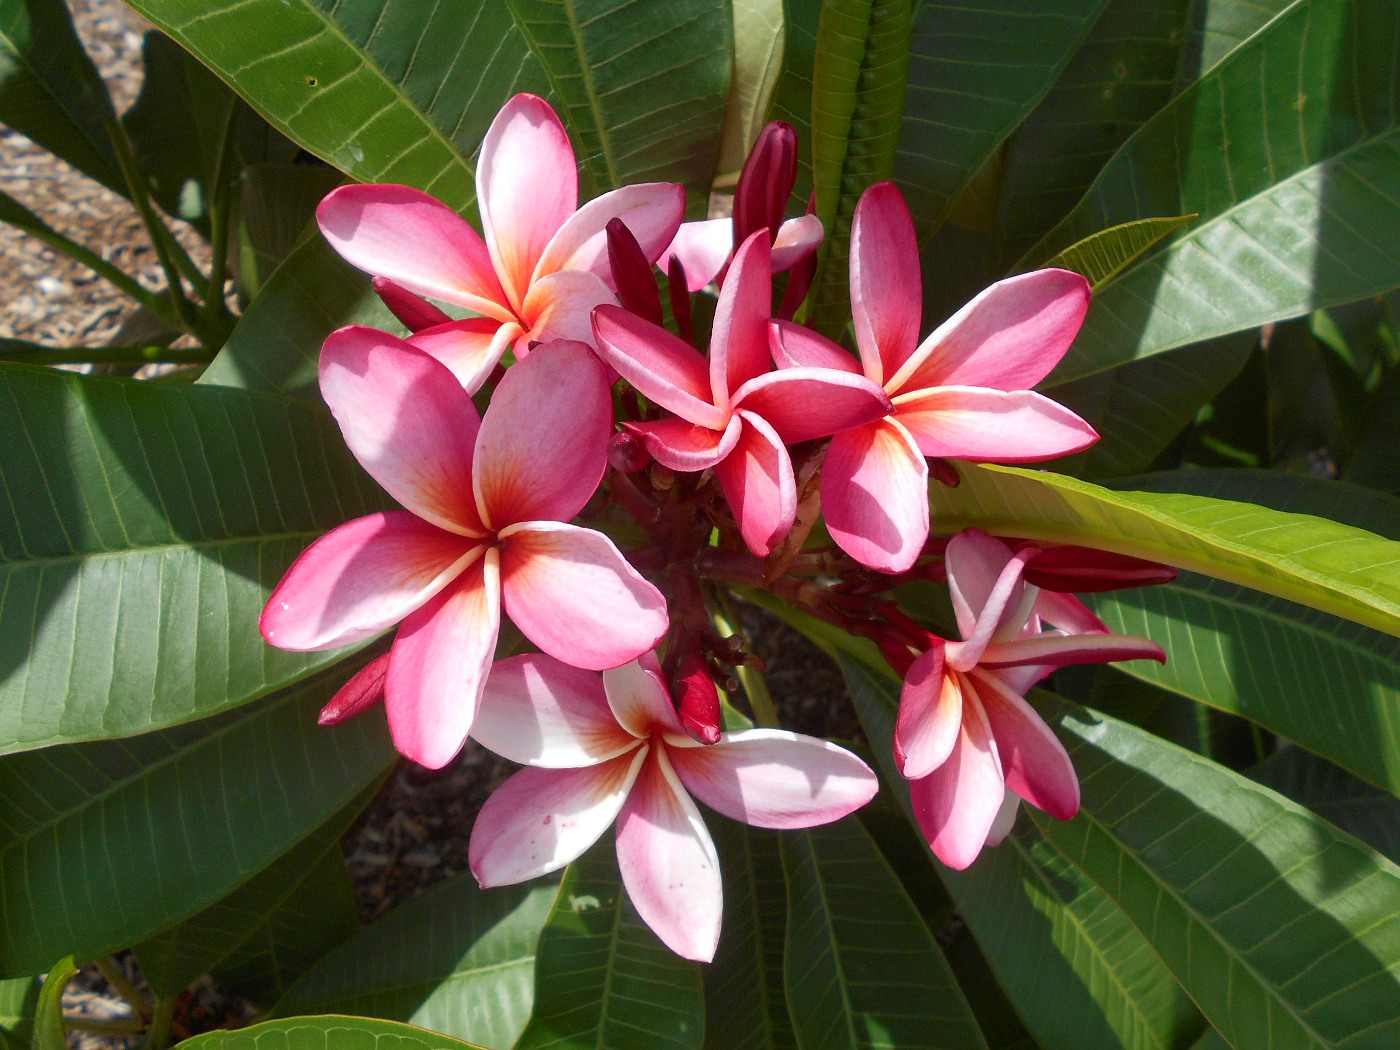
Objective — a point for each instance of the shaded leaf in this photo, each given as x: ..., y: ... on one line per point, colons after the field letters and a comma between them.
x: 458, y: 959
x: 1224, y: 25
x: 104, y: 844
x: 1367, y: 812
x: 792, y: 95
x: 1375, y: 456
x: 19, y: 998
x: 144, y: 527
x: 327, y: 1033
x: 276, y: 204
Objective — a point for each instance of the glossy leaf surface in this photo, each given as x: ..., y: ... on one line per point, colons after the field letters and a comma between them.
x: 327, y: 1033
x: 1367, y: 812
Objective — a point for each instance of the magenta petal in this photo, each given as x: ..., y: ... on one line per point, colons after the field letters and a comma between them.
x: 668, y: 862
x: 1008, y: 338
x: 543, y: 445
x: 958, y: 802
x: 1034, y: 761
x: 637, y: 694
x: 407, y: 420
x: 652, y: 211
x: 1068, y: 613
x: 360, y: 578
x: 796, y: 346
x: 539, y: 711
x: 661, y: 366
x: 1004, y: 615
x: 438, y: 666
x: 415, y: 241
x: 364, y: 690
x: 527, y: 186
x: 886, y: 291
x: 758, y: 484
x: 875, y: 495
x: 797, y: 238
x: 930, y: 712
x: 806, y: 403
x: 739, y: 337
x: 540, y: 819
x: 470, y: 349
x: 991, y: 425
x: 975, y: 561
x: 683, y: 446
x: 1051, y: 649
x: 770, y: 778
x: 572, y: 593
x: 703, y: 248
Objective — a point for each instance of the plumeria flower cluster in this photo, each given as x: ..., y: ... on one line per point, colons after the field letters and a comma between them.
x: 722, y: 459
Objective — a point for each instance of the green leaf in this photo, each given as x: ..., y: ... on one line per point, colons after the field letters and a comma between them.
x: 1375, y: 456
x: 758, y: 60
x: 144, y: 527
x: 1271, y: 661
x: 287, y: 915
x: 19, y: 998
x: 392, y: 91
x: 1353, y: 805
x: 1283, y: 929
x: 326, y: 1033
x: 792, y: 95
x: 276, y: 344
x: 977, y: 68
x: 602, y: 979
x: 276, y: 203
x: 1121, y: 74
x: 1286, y: 150
x: 1340, y: 570
x: 1102, y: 256
x: 858, y: 85
x: 459, y: 960
x: 50, y: 90
x: 48, y: 1020
x: 105, y: 844
x: 1077, y: 970
x: 745, y: 1004
x: 862, y: 969
x: 1224, y: 25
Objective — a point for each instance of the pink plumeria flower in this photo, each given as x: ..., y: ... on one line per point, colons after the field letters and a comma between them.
x: 609, y: 747
x: 487, y: 501
x: 965, y: 736
x: 543, y: 265
x: 962, y: 393
x: 733, y: 413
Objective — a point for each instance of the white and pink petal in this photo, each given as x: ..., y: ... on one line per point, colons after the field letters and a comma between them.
x: 875, y: 495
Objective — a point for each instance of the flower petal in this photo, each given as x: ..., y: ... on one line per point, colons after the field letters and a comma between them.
x: 1008, y: 338
x: 975, y: 561
x: 360, y: 578
x: 652, y: 211
x: 703, y: 248
x: 930, y: 712
x: 415, y: 241
x: 683, y: 446
x: 662, y: 367
x: 470, y: 349
x: 539, y: 711
x: 1005, y: 819
x: 758, y: 484
x: 668, y: 862
x: 639, y: 699
x: 875, y: 495
x: 1034, y: 761
x: 977, y: 423
x: 886, y: 290
x: 806, y: 403
x: 958, y: 802
x: 739, y: 337
x: 560, y: 306
x: 527, y: 185
x: 1003, y: 615
x: 770, y: 778
x: 1052, y: 649
x: 797, y: 238
x: 541, y: 819
x: 572, y: 593
x: 438, y: 666
x: 407, y: 420
x: 1068, y: 613
x: 796, y: 346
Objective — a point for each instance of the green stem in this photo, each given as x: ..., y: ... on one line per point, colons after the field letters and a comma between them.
x: 99, y: 1027
x: 111, y: 355
x: 220, y: 219
x: 159, y: 1038
x: 1204, y: 733
x: 107, y: 966
x: 765, y: 712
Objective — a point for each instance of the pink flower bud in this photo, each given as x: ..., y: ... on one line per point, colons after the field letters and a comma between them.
x: 1086, y: 571
x: 632, y: 273
x: 766, y: 182
x: 355, y: 697
x: 627, y: 454
x: 697, y: 698
x: 414, y: 312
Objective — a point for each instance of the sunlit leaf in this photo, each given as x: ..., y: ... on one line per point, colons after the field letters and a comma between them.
x: 19, y: 998
x: 48, y: 1020
x: 758, y: 60
x: 327, y: 1033
x: 1102, y: 256
x: 1223, y: 26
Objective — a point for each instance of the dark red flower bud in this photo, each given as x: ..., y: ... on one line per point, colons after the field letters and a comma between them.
x: 942, y: 472
x: 355, y: 697
x: 632, y: 274
x: 627, y: 453
x: 680, y: 299
x: 697, y: 698
x: 1083, y: 570
x: 761, y: 197
x: 413, y: 311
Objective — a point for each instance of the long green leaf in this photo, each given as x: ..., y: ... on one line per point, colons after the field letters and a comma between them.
x: 792, y: 95
x: 327, y: 1033
x: 1367, y: 812
x: 49, y: 1033
x: 1286, y: 150
x: 143, y: 528
x: 50, y: 90
x: 1223, y: 26
x: 18, y: 1000
x: 863, y: 971
x: 1285, y: 931
x: 1102, y: 256
x: 602, y: 979
x: 459, y: 960
x: 1340, y: 570
x: 758, y: 60
x: 1077, y: 970
x: 104, y: 844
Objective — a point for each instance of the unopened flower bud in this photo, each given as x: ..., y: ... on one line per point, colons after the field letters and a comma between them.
x: 632, y: 274
x: 1083, y: 570
x: 679, y: 294
x: 697, y: 698
x: 355, y: 697
x: 627, y: 453
x: 766, y: 182
x: 413, y: 311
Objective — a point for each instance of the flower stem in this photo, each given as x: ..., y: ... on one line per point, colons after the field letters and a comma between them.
x: 765, y: 712
x: 111, y: 971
